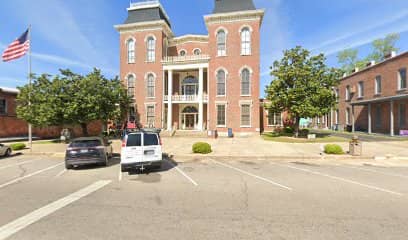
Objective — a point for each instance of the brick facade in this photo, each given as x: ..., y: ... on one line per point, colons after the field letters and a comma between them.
x: 391, y: 94
x: 177, y: 61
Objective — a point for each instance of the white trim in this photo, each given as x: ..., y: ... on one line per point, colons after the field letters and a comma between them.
x: 241, y: 103
x: 159, y: 25
x: 147, y: 47
x: 221, y: 28
x: 185, y: 66
x: 150, y: 104
x: 225, y: 104
x: 250, y: 80
x: 238, y: 16
x: 245, y: 26
x: 399, y: 78
x: 250, y: 40
x: 197, y: 49
x: 274, y: 119
x: 146, y: 84
x: 127, y: 49
x: 5, y: 107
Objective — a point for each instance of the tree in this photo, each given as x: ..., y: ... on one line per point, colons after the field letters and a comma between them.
x: 383, y: 46
x: 302, y: 85
x: 72, y: 99
x: 348, y: 59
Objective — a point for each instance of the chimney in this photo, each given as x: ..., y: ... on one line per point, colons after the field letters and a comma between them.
x: 345, y: 75
x: 355, y: 70
x: 371, y: 63
x: 391, y: 54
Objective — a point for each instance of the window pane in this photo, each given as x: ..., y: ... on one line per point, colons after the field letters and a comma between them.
x: 131, y: 86
x: 221, y: 83
x: 245, y: 42
x: 221, y: 42
x: 245, y: 115
x: 150, y: 139
x: 3, y: 109
x: 151, y: 49
x: 134, y: 140
x: 378, y: 114
x: 221, y: 115
x: 245, y: 82
x: 131, y: 51
x: 85, y: 143
x: 402, y: 115
x: 150, y: 85
x: 403, y: 78
x: 378, y: 84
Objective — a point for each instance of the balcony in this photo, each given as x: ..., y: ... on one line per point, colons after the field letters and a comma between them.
x: 185, y: 98
x: 171, y: 60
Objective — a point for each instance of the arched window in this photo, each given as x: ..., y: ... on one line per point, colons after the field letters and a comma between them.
x: 197, y: 51
x: 189, y: 86
x: 151, y: 49
x: 131, y: 86
x: 131, y: 51
x: 245, y: 41
x: 221, y: 83
x: 150, y: 86
x: 221, y: 43
x: 245, y: 82
x: 190, y: 109
x: 183, y: 53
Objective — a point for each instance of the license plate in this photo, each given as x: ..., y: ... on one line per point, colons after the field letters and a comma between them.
x: 84, y: 150
x: 150, y: 152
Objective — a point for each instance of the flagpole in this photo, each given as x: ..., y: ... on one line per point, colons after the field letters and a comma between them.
x: 30, y: 135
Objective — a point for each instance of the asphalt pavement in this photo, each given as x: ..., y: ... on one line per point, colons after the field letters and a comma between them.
x: 206, y: 199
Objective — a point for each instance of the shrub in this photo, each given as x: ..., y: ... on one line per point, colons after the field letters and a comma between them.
x: 333, y: 149
x: 17, y: 146
x: 202, y: 147
x: 304, y: 132
x: 288, y: 130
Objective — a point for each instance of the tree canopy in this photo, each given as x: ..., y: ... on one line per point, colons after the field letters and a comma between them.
x: 73, y: 99
x: 302, y: 85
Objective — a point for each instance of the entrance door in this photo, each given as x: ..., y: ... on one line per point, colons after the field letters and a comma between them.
x: 190, y: 121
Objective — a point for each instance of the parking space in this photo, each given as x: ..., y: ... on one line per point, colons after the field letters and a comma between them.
x: 208, y: 199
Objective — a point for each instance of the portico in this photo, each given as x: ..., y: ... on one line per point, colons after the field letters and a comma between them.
x: 185, y: 95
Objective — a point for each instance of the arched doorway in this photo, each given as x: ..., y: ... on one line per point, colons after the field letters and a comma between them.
x: 189, y: 86
x: 189, y: 118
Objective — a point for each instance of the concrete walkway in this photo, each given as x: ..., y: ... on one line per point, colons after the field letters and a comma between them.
x: 255, y: 148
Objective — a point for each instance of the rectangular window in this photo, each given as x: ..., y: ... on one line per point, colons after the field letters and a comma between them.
x: 274, y: 119
x: 402, y: 79
x: 3, y: 106
x: 150, y: 139
x: 348, y: 116
x: 245, y: 115
x: 220, y: 115
x: 378, y: 87
x: 337, y: 117
x: 402, y: 115
x: 378, y: 118
x: 150, y: 116
x: 134, y: 140
x: 360, y: 89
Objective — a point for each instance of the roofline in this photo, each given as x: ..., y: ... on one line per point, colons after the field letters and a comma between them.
x: 147, y: 5
x: 383, y: 99
x: 140, y: 25
x: 188, y: 38
x: 228, y: 15
x: 375, y: 65
x: 9, y: 90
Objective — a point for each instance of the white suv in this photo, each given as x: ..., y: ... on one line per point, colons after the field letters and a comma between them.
x: 141, y: 150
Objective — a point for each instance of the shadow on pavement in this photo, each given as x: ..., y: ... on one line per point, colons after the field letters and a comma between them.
x: 115, y: 160
x: 13, y: 155
x: 168, y: 164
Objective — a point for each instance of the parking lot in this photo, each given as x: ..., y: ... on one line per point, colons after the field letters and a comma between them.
x: 207, y: 199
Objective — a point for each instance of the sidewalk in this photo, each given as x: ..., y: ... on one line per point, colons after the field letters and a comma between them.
x: 255, y: 148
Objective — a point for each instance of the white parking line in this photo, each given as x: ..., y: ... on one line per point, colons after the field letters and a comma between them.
x: 16, y: 164
x: 253, y: 175
x: 344, y: 180
x: 183, y: 174
x: 120, y: 173
x: 24, y: 221
x: 61, y: 173
x: 29, y: 175
x: 380, y: 172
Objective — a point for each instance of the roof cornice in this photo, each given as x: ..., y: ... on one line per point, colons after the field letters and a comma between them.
x: 147, y: 5
x: 145, y: 26
x: 9, y: 90
x: 234, y: 16
x: 188, y: 38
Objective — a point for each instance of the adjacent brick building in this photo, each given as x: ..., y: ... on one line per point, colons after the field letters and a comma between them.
x: 11, y: 126
x: 375, y: 99
x: 193, y: 82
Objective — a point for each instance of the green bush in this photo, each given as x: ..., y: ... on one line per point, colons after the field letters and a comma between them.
x: 304, y: 132
x: 202, y: 147
x: 17, y: 146
x: 333, y: 149
x: 288, y: 130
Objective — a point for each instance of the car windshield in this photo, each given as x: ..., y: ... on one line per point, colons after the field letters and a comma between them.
x: 86, y: 143
x: 134, y: 140
x: 150, y: 139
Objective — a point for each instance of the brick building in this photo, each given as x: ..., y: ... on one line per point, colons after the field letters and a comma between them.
x: 193, y: 82
x: 11, y: 126
x: 375, y: 99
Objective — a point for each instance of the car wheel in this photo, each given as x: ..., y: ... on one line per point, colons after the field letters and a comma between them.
x: 8, y: 152
x: 105, y: 164
x: 68, y: 166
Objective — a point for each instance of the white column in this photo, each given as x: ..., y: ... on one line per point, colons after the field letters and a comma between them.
x: 353, y: 128
x: 369, y: 119
x: 331, y: 118
x: 170, y: 106
x: 392, y: 118
x: 200, y: 98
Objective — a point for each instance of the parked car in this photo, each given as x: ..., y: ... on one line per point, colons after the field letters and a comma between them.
x: 5, y: 150
x: 88, y: 150
x: 140, y: 150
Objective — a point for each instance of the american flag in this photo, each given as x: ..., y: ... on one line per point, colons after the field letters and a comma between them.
x: 18, y: 48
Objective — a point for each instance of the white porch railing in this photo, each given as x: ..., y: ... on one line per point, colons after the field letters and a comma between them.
x: 185, y: 98
x: 187, y: 58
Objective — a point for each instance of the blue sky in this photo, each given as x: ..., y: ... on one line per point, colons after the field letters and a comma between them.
x: 79, y: 34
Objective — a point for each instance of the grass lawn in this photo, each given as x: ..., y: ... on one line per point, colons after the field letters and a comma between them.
x: 320, y: 138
